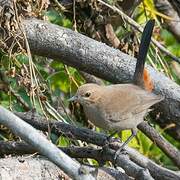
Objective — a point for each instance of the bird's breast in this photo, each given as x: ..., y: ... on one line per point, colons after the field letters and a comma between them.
x: 97, y: 117
x: 114, y: 120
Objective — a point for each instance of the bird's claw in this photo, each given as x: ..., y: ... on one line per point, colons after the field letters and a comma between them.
x: 120, y: 151
x: 110, y: 140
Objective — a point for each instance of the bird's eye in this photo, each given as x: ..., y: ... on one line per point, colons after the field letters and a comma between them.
x: 87, y: 94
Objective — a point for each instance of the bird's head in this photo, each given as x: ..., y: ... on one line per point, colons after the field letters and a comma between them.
x: 87, y: 94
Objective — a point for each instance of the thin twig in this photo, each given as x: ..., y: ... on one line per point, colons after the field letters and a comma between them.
x: 161, y: 142
x: 61, y: 7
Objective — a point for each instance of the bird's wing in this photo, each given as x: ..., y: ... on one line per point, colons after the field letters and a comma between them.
x: 120, y: 102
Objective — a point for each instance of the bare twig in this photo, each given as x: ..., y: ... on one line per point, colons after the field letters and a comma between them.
x: 61, y: 7
x: 91, y: 79
x: 161, y: 142
x: 166, y: 8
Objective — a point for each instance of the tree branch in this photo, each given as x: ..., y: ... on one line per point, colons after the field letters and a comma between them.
x: 161, y: 142
x: 90, y: 152
x: 28, y: 167
x: 123, y: 161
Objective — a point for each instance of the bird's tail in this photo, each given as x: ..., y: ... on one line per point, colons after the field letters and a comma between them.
x: 141, y: 75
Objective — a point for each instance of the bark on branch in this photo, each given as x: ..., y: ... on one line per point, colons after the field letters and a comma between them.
x: 30, y: 168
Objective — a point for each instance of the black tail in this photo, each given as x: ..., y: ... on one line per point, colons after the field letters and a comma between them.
x: 143, y: 49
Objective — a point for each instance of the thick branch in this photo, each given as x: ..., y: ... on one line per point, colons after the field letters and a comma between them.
x: 89, y: 152
x: 29, y: 168
x: 93, y: 137
x: 17, y: 148
x: 40, y: 168
x: 123, y: 161
x: 176, y: 5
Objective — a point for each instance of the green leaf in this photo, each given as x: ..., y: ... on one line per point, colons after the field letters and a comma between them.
x: 22, y: 58
x: 167, y: 37
x: 5, y: 60
x: 57, y: 65
x: 5, y: 103
x: 145, y: 143
x: 175, y: 49
x: 54, y: 17
x: 54, y: 138
x: 60, y: 80
x: 63, y: 141
x: 67, y: 23
x: 24, y: 96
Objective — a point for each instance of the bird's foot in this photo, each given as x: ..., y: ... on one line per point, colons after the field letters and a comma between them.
x: 120, y: 151
x: 110, y: 139
x: 105, y: 146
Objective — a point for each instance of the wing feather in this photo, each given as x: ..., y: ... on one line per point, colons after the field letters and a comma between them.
x: 120, y: 102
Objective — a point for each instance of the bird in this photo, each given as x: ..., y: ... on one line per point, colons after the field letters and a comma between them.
x: 118, y: 107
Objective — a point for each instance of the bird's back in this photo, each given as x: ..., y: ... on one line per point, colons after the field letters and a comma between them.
x: 121, y: 106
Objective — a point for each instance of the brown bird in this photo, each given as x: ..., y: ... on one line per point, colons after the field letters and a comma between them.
x: 120, y: 106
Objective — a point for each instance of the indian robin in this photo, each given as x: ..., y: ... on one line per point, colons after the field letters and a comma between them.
x: 120, y: 106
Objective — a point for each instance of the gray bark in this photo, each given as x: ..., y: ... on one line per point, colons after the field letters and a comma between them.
x: 37, y: 168
x: 29, y: 168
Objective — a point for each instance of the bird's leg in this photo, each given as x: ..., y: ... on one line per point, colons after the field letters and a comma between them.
x: 134, y: 132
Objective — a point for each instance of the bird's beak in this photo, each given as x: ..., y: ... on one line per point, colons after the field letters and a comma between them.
x: 74, y: 98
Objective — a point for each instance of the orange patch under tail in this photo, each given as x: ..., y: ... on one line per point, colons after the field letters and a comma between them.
x: 148, y: 83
